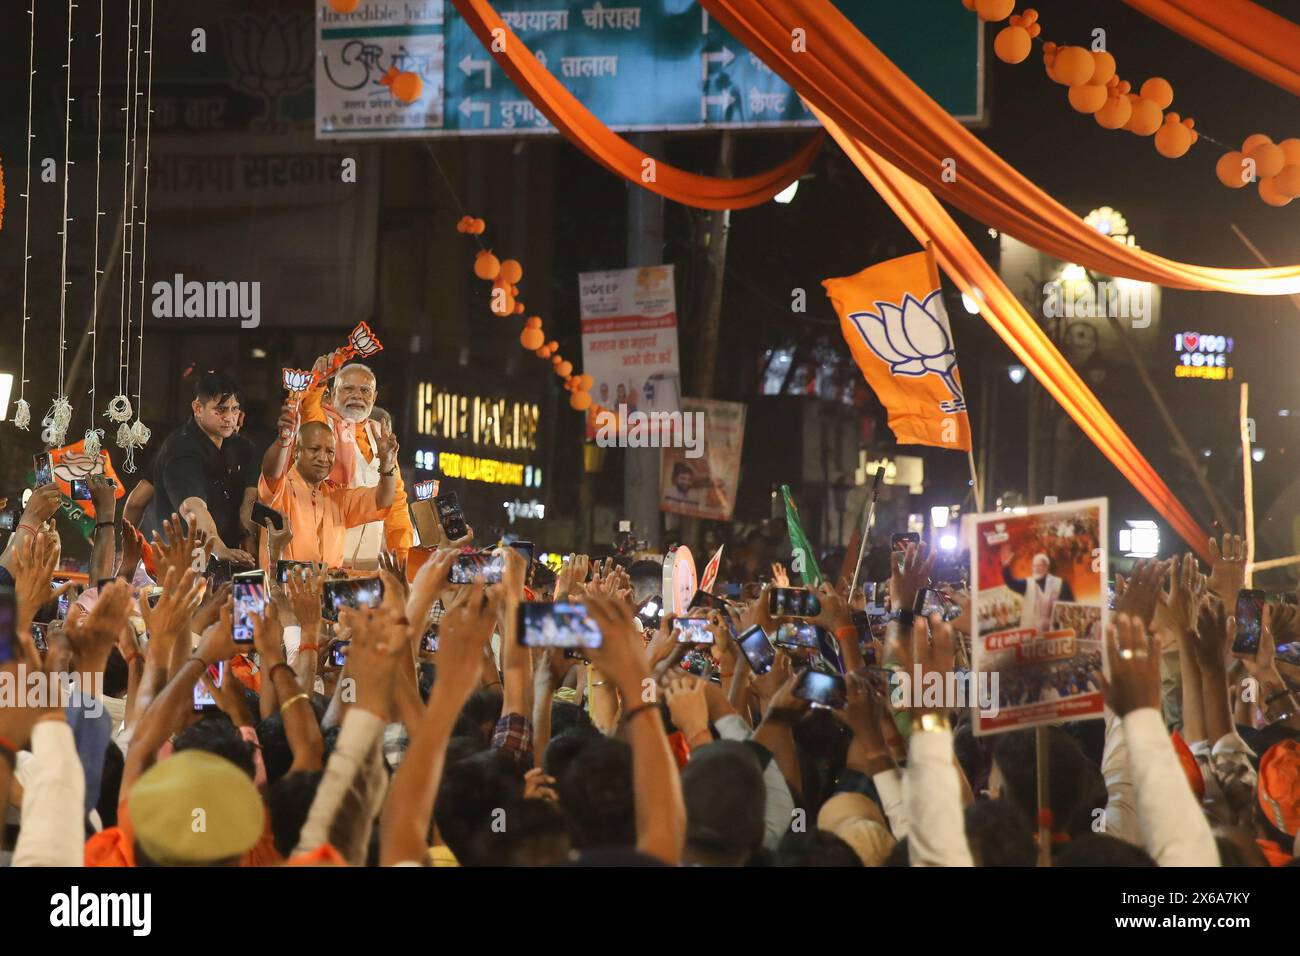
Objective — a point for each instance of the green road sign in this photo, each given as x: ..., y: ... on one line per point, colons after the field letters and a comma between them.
x: 655, y: 65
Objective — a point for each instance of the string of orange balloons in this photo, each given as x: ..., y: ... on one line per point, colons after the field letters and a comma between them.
x: 1095, y: 88
x: 505, y: 276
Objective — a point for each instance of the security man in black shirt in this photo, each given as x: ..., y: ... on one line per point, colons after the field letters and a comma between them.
x: 205, y: 472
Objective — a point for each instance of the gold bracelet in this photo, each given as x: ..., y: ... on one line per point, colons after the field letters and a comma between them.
x: 293, y: 700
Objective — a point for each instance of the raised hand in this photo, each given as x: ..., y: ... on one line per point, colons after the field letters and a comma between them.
x: 1141, y: 591
x: 1176, y: 607
x: 34, y: 561
x: 1227, y: 567
x: 1215, y: 629
x: 177, y: 548
x: 94, y: 635
x: 687, y: 705
x: 387, y: 447
x: 42, y: 504
x: 910, y: 576
x: 429, y: 584
x: 779, y: 577
x: 1134, y: 666
x: 621, y: 655
x: 303, y: 589
x: 463, y: 634
x: 133, y: 545
x: 103, y: 496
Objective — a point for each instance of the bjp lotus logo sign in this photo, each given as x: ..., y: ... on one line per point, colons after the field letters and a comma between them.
x: 914, y: 340
x: 893, y: 320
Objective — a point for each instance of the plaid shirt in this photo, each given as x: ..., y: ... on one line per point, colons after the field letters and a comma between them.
x: 514, y: 734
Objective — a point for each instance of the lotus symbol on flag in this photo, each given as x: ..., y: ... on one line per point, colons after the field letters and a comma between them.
x: 913, y: 339
x: 296, y: 380
x: 424, y: 490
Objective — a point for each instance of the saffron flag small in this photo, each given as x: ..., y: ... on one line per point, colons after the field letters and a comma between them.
x: 893, y: 318
x: 711, y: 571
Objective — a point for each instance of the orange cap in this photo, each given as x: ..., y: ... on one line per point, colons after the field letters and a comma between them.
x: 1279, y: 785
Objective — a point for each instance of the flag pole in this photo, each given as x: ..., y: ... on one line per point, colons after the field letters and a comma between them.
x: 1247, y: 482
x: 974, y: 480
x: 866, y: 528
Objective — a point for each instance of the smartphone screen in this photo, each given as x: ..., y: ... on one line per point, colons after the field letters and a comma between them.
x: 202, y: 696
x: 705, y: 599
x: 562, y: 624
x: 39, y: 637
x: 876, y: 593
x: 487, y: 564
x: 65, y: 602
x: 1250, y: 613
x: 797, y: 635
x: 80, y: 489
x: 650, y: 612
x: 285, y: 568
x: 338, y: 653
x: 250, y: 603
x: 43, y: 465
x: 450, y: 516
x: 526, y: 548
x: 928, y: 601
x: 152, y: 595
x: 8, y: 625
x: 758, y: 650
x: 8, y: 520
x: 218, y: 573
x: 350, y: 592
x: 429, y: 640
x: 822, y: 690
x: 692, y: 630
x: 901, y: 539
x: 793, y: 602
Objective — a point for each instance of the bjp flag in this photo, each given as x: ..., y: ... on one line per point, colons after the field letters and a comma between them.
x: 71, y: 461
x: 893, y: 318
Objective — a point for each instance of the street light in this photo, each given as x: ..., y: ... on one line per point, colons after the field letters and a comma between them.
x: 1141, y: 539
x: 1257, y: 454
x: 1016, y: 373
x: 787, y: 194
x: 969, y: 304
x: 6, y: 389
x: 939, y: 515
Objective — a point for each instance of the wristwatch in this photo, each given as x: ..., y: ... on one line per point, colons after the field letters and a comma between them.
x: 932, y: 720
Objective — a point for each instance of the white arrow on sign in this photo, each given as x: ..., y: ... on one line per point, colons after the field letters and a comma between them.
x: 723, y: 56
x: 468, y: 65
x: 723, y: 99
x: 468, y: 108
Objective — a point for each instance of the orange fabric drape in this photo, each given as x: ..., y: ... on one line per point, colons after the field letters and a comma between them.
x: 609, y: 149
x: 928, y: 221
x: 1239, y: 31
x: 849, y: 80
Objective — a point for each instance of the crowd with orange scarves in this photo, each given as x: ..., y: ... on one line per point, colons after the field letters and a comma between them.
x: 483, y: 710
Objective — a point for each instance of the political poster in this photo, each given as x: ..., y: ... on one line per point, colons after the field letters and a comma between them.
x: 700, y: 467
x: 1039, y: 604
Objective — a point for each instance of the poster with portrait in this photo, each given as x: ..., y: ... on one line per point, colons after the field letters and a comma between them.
x: 698, y: 475
x: 1038, y: 588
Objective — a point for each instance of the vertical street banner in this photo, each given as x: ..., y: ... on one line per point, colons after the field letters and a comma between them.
x: 354, y: 53
x: 1039, y: 603
x: 698, y: 476
x: 629, y: 339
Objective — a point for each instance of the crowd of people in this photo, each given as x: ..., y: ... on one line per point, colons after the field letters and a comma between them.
x: 420, y: 730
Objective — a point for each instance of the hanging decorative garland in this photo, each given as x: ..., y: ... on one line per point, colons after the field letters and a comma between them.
x: 119, y: 408
x: 94, y: 437
x: 138, y: 434
x: 59, y: 417
x: 505, y: 276
x: 22, y: 410
x: 1096, y: 89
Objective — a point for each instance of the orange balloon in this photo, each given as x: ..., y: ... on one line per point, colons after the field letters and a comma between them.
x: 1288, y: 181
x: 1146, y: 118
x: 564, y: 369
x: 557, y: 359
x: 993, y: 10
x: 1269, y: 160
x: 531, y: 339
x: 553, y: 345
x: 478, y: 228
x: 1103, y: 68
x: 519, y: 308
x: 1231, y: 170
x: 1271, y: 194
x: 1158, y: 91
x: 541, y: 352
x: 1252, y: 141
x: 344, y: 6
x: 533, y: 322
x: 580, y: 401
x: 585, y: 382
x: 1012, y: 45
x: 486, y: 265
x: 502, y: 304
x: 407, y: 87
x: 511, y: 271
x: 1173, y: 140
x: 1115, y: 113
x: 1086, y: 98
x: 1291, y: 150
x: 1074, y: 66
